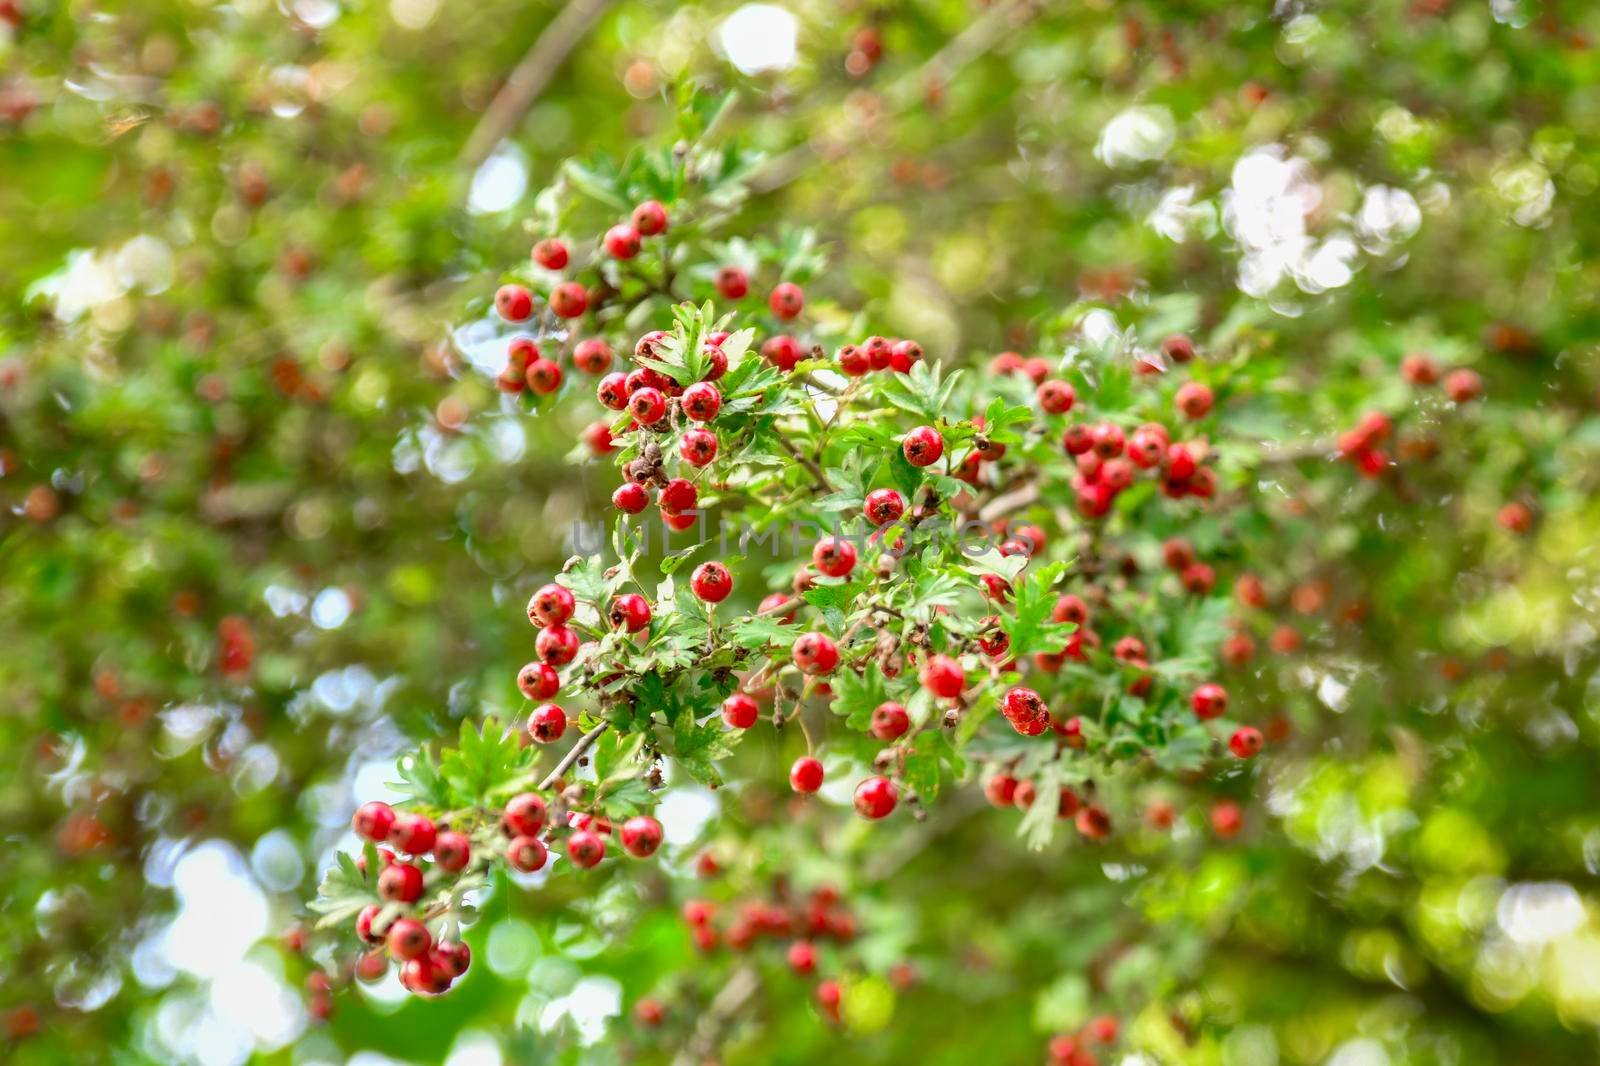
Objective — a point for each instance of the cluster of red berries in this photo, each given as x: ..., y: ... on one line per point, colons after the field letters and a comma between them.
x: 1004, y: 790
x: 1073, y: 1049
x: 1363, y: 444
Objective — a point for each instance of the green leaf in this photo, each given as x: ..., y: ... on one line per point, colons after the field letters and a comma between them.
x: 855, y: 697
x: 762, y: 631
x: 420, y: 779
x: 1028, y: 625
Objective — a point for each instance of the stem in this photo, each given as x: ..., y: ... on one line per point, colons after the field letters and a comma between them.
x: 811, y: 467
x: 583, y: 745
x: 740, y: 987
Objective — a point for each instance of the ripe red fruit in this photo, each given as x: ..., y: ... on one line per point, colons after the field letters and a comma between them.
x: 943, y: 676
x: 1515, y: 517
x: 701, y: 401
x: 732, y: 283
x: 787, y: 300
x: 802, y: 957
x: 1107, y: 439
x: 422, y: 977
x: 711, y: 582
x: 1419, y: 368
x: 592, y: 356
x: 630, y: 498
x: 514, y: 303
x: 923, y: 446
x: 1463, y: 386
x: 629, y: 611
x: 876, y: 797
x: 1056, y: 397
x: 679, y: 495
x: 1000, y: 790
x: 1025, y: 709
x: 805, y: 776
x: 834, y: 556
x: 1193, y: 399
x: 373, y: 820
x: 526, y: 853
x: 740, y: 711
x: 879, y: 352
x: 782, y: 351
x: 1116, y: 474
x: 1070, y: 608
x: 716, y: 358
x: 698, y: 447
x: 884, y: 506
x: 647, y: 406
x: 1077, y: 439
x: 650, y: 218
x: 1198, y: 579
x: 550, y: 253
x: 853, y: 360
x: 525, y: 814
x: 547, y: 722
x: 622, y: 241
x: 1245, y: 742
x: 1209, y: 701
x: 815, y: 653
x: 569, y: 300
x: 904, y: 355
x: 586, y: 848
x: 649, y: 1012
x: 400, y: 883
x: 770, y: 603
x: 364, y: 924
x: 557, y: 645
x: 551, y: 605
x: 1227, y: 819
x: 409, y: 939
x: 641, y: 836
x: 890, y: 721
x: 598, y: 436
x: 649, y: 346
x: 451, y: 957
x: 678, y: 522
x: 1093, y: 822
x: 613, y: 391
x: 1178, y: 348
x: 1067, y: 803
x: 544, y: 376
x: 412, y: 834
x: 1177, y: 553
x: 452, y: 850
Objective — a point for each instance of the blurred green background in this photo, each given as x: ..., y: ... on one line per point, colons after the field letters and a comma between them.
x: 265, y: 527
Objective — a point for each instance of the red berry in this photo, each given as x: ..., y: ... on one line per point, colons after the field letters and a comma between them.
x: 569, y: 300
x: 711, y: 582
x: 829, y: 996
x: 544, y: 376
x: 1007, y: 363
x: 647, y: 406
x: 1177, y: 553
x: 1094, y: 823
x: 815, y: 653
x: 551, y: 605
x: 802, y: 957
x: 649, y: 346
x: 650, y: 218
x: 1419, y: 368
x: 904, y: 355
x: 717, y: 359
x: 884, y: 506
x: 1180, y: 463
x: 732, y: 283
x: 526, y: 853
x: 701, y: 401
x: 365, y: 929
x: 592, y: 356
x: 1056, y: 397
x: 451, y: 957
x: 550, y: 253
x: 641, y: 836
x: 1226, y: 820
x: 649, y: 1012
x: 740, y: 711
x: 787, y: 300
x: 1107, y: 439
x: 853, y: 360
x: 805, y: 775
x: 514, y: 303
x: 525, y: 814
x: 1209, y: 701
x: 622, y: 241
x: 876, y: 797
x: 1178, y: 348
x: 1193, y: 399
x: 373, y: 820
x: 890, y: 721
x: 547, y: 722
x: 1463, y: 386
x: 1245, y: 742
x: 782, y: 351
x: 943, y: 676
x: 879, y: 352
x: 598, y: 437
x: 678, y: 522
x: 422, y: 977
x: 629, y: 611
x: 556, y: 645
x: 630, y: 498
x: 923, y: 446
x: 400, y: 883
x: 1025, y: 709
x: 408, y: 939
x: 613, y: 391
x: 586, y: 848
x: 412, y: 834
x: 834, y: 556
x: 1198, y: 579
x: 1077, y: 439
x: 452, y: 850
x: 698, y: 447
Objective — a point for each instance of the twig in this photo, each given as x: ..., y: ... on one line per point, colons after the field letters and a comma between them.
x: 1025, y: 495
x: 529, y: 78
x: 811, y: 467
x: 572, y: 756
x: 733, y: 996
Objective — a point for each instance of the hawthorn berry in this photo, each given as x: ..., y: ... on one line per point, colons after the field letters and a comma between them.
x: 422, y: 977
x: 629, y: 611
x: 412, y: 834
x: 802, y: 957
x: 1056, y: 397
x: 630, y: 498
x: 586, y: 848
x: 598, y: 437
x: 815, y: 653
x: 805, y: 776
x: 716, y: 359
x: 641, y: 836
x: 569, y: 300
x: 678, y: 522
x: 698, y: 447
x: 890, y: 721
x: 544, y: 376
x: 592, y: 356
x: 834, y: 556
x: 650, y: 218
x: 649, y: 1012
x: 622, y: 241
x: 1077, y: 439
x: 1000, y: 790
x: 1419, y: 368
x: 452, y: 850
x: 451, y: 957
x: 400, y: 883
x: 1178, y: 348
x: 526, y: 853
x: 1116, y: 474
x: 711, y: 582
x: 525, y: 814
x: 782, y: 351
x: 853, y: 360
x: 1198, y: 579
x: 923, y: 446
x: 1025, y: 709
x: 373, y: 820
x: 679, y: 495
x: 408, y: 939
x: 1463, y: 386
x: 551, y: 253
x: 1107, y: 440
x: 1209, y: 701
x: 365, y: 927
x: 547, y: 722
x: 1093, y: 822
x: 1245, y: 742
x: 701, y: 401
x: 879, y: 352
x: 732, y: 282
x: 514, y: 303
x: 904, y: 355
x: 1227, y: 819
x: 1515, y: 517
x: 613, y: 391
x: 1177, y: 553
x: 995, y: 587
x: 1180, y: 463
x: 1193, y: 400
x: 883, y: 506
x: 876, y: 797
x: 787, y: 300
x: 647, y: 405
x: 740, y: 711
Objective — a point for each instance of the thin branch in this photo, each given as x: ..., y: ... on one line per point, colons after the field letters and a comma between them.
x: 708, y: 1030
x: 1025, y: 495
x: 572, y: 756
x: 811, y: 467
x: 530, y: 77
